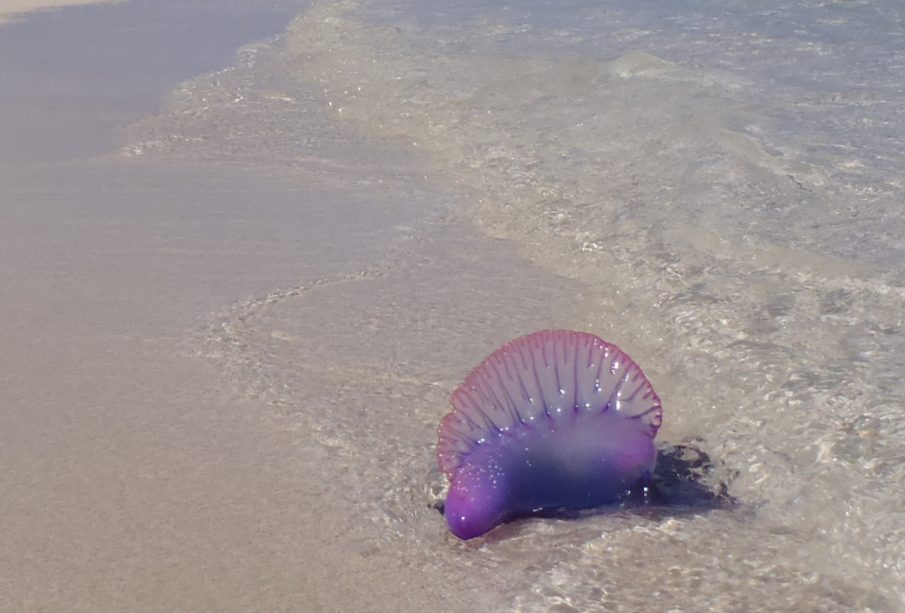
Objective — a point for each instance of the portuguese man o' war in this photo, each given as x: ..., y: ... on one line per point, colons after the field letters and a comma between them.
x: 556, y: 420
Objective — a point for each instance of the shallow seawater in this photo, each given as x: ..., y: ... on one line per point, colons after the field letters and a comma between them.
x: 715, y: 188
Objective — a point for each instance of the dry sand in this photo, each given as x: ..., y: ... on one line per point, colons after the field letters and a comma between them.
x: 12, y: 9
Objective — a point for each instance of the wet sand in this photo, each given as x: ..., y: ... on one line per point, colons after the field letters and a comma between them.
x: 133, y: 477
x: 139, y: 469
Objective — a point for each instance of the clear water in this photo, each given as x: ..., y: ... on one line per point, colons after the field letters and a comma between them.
x: 716, y: 187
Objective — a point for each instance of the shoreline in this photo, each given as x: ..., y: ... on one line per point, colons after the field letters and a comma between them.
x: 244, y: 272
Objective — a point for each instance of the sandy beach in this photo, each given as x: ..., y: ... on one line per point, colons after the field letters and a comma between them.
x: 248, y: 250
x: 15, y: 9
x: 141, y: 471
x: 134, y: 477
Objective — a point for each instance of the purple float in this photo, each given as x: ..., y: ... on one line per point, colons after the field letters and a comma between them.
x: 556, y: 420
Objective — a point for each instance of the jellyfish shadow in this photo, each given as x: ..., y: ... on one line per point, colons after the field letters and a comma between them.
x: 685, y: 479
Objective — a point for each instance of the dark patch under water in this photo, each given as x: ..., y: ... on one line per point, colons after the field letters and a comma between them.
x: 684, y: 477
